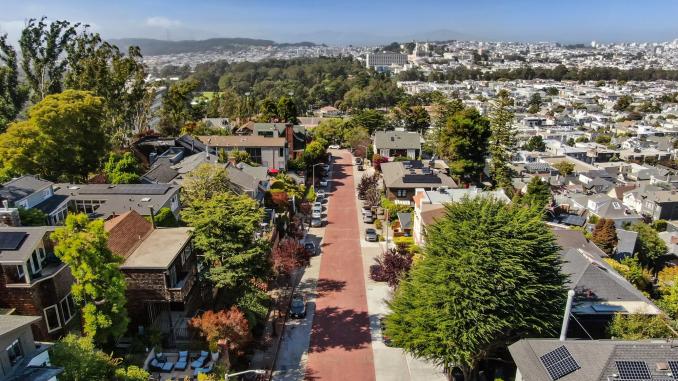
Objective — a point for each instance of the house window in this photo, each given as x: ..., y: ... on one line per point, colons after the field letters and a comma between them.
x: 172, y: 277
x: 45, y: 194
x: 67, y: 308
x: 20, y: 271
x: 36, y: 264
x: 14, y: 352
x: 281, y: 152
x: 186, y: 253
x: 41, y: 254
x: 401, y: 192
x: 52, y: 318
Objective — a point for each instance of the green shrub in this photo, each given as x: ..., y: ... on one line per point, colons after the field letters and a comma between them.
x: 659, y: 225
x: 166, y: 219
x: 377, y: 224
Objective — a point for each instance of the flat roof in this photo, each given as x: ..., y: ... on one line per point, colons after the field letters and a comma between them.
x: 25, y: 248
x: 10, y: 323
x: 159, y: 249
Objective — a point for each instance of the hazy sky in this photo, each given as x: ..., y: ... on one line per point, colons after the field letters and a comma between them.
x: 361, y: 21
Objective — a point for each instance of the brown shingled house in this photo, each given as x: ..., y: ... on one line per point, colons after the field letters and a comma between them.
x: 160, y: 268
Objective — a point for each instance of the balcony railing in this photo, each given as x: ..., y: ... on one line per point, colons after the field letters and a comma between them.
x: 179, y: 293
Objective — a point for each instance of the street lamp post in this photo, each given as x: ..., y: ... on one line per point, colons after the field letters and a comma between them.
x: 255, y: 371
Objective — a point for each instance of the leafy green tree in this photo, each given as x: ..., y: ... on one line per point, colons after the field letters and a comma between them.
x: 13, y: 94
x: 623, y: 103
x: 538, y: 193
x: 224, y: 231
x: 333, y: 130
x: 534, y: 103
x: 98, y: 66
x: 605, y: 235
x: 99, y: 284
x: 535, y: 143
x: 32, y: 217
x: 314, y: 153
x: 463, y: 142
x: 413, y: 118
x: 122, y: 168
x: 204, y: 182
x: 564, y: 167
x: 502, y: 141
x: 641, y: 327
x: 372, y: 120
x: 176, y: 107
x: 603, y: 139
x: 287, y: 110
x: 43, y: 59
x: 650, y: 248
x: 490, y: 274
x: 165, y: 218
x: 62, y: 139
x: 81, y: 361
x: 268, y: 110
x: 570, y: 142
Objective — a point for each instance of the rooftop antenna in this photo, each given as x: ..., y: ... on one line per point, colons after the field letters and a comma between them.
x: 566, y: 316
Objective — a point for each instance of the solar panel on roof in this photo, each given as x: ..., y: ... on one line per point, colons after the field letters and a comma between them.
x: 674, y: 368
x: 559, y: 363
x: 11, y: 240
x: 633, y: 370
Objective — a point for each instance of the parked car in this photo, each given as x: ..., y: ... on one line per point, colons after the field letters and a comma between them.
x: 316, y: 222
x: 326, y: 168
x: 371, y: 235
x: 316, y: 214
x: 359, y: 160
x: 310, y: 247
x: 334, y: 146
x: 368, y: 218
x: 298, y: 307
x: 324, y: 183
x: 321, y: 194
x: 360, y: 167
x: 366, y: 208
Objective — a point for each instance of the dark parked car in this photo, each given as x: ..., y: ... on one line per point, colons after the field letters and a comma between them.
x: 316, y: 222
x: 360, y: 167
x: 310, y: 247
x: 298, y: 307
x: 371, y: 235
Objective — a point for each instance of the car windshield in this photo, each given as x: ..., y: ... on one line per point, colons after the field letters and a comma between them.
x: 370, y: 231
x: 297, y: 303
x: 310, y: 246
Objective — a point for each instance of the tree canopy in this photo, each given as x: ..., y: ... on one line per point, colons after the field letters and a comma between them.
x: 99, y: 285
x: 62, y: 139
x: 490, y: 274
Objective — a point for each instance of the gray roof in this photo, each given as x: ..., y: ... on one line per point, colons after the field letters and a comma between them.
x: 597, y: 359
x: 10, y: 323
x: 396, y: 175
x: 626, y: 241
x: 117, y: 199
x: 405, y: 220
x: 33, y: 236
x: 22, y: 187
x: 161, y: 172
x: 397, y: 140
x: 599, y: 288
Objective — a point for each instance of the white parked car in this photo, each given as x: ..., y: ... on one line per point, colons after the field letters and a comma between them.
x: 324, y: 183
x: 334, y: 146
x: 316, y: 214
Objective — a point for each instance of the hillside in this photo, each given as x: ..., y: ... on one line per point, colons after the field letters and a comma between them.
x: 153, y: 47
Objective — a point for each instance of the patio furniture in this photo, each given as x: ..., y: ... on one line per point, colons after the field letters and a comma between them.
x: 200, y: 361
x: 182, y: 363
x: 159, y: 366
x: 207, y: 369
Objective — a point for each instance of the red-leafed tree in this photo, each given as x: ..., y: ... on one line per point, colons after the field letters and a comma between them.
x: 391, y: 266
x: 289, y: 255
x: 377, y: 160
x: 229, y: 326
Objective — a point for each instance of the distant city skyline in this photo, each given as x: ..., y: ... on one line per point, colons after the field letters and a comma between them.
x: 361, y: 22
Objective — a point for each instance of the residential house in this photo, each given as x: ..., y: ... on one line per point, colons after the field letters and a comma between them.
x: 429, y: 205
x: 392, y: 144
x: 33, y: 281
x: 603, y: 206
x: 594, y: 360
x: 29, y: 192
x: 21, y: 357
x: 402, y: 178
x: 270, y: 152
x: 295, y: 135
x: 160, y: 269
x: 658, y: 204
x: 600, y: 292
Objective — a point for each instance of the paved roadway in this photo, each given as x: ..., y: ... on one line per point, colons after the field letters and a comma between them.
x: 340, y: 338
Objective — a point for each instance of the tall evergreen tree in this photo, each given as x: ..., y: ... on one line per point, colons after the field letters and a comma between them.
x: 502, y: 141
x: 13, y: 94
x: 462, y: 141
x: 490, y: 275
x: 538, y: 193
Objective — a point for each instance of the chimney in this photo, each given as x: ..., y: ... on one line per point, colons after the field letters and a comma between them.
x: 152, y: 216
